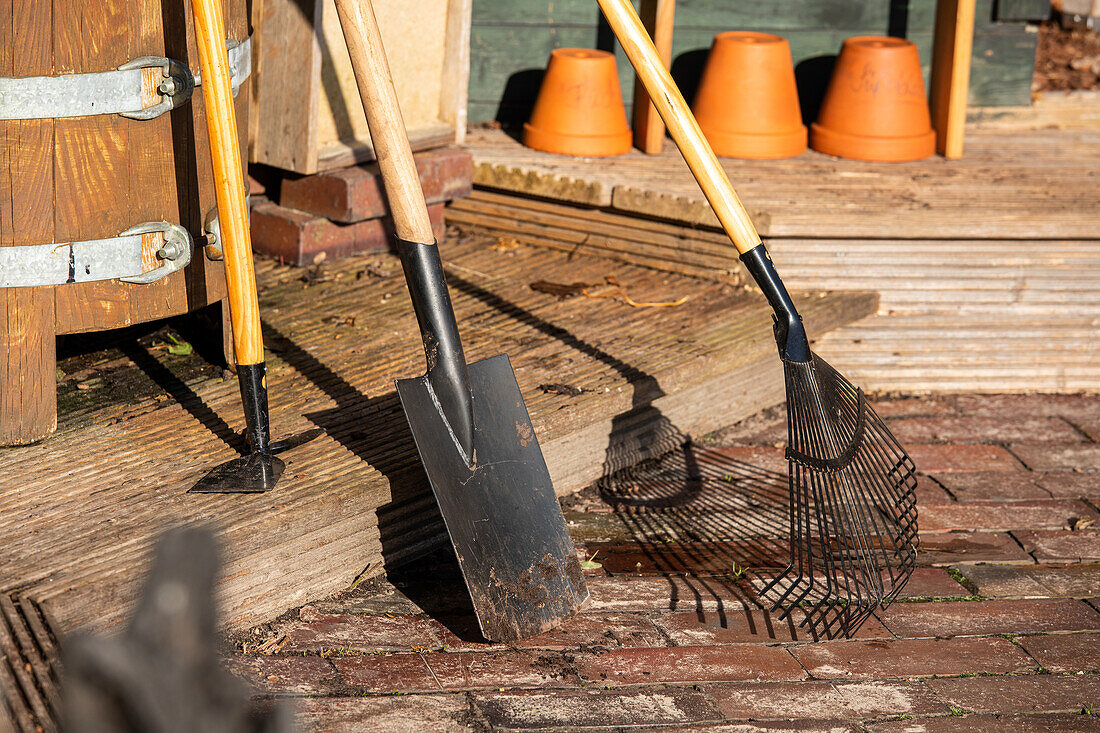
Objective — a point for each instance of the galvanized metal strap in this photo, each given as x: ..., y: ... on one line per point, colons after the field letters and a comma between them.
x: 141, y: 89
x: 141, y: 254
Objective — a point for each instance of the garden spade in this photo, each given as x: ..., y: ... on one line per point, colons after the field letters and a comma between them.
x: 853, y: 512
x: 469, y: 421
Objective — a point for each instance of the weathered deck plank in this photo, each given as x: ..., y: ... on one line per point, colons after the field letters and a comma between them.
x: 81, y: 509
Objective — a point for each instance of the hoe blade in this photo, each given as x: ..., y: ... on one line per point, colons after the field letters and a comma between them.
x: 504, y: 521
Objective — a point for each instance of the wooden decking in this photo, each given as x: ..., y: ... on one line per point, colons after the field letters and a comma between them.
x: 988, y: 266
x: 80, y: 509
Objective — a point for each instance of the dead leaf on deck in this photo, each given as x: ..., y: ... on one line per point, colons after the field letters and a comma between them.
x: 505, y: 244
x: 560, y: 290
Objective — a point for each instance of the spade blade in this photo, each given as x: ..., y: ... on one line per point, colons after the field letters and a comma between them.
x: 504, y: 521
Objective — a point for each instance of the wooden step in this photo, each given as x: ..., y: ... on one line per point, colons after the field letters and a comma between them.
x: 1031, y: 307
x: 1038, y: 184
x: 82, y: 508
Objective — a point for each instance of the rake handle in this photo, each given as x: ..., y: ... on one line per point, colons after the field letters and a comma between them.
x: 681, y: 123
x: 387, y: 126
x: 225, y: 154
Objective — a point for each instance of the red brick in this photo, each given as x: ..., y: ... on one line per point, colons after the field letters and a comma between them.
x: 1057, y: 723
x: 352, y: 194
x: 956, y: 457
x: 1042, y: 693
x: 952, y: 548
x: 688, y: 664
x: 698, y: 558
x: 318, y: 631
x: 993, y: 485
x: 1071, y: 484
x: 823, y: 700
x: 297, y: 238
x: 766, y: 457
x: 667, y: 593
x: 1061, y: 545
x: 1035, y: 581
x: 1013, y: 406
x: 576, y: 709
x: 1064, y: 457
x: 932, y: 583
x: 771, y: 726
x: 991, y: 516
x: 983, y: 430
x: 293, y: 675
x: 1064, y: 652
x: 929, y: 491
x: 452, y: 671
x: 745, y: 626
x: 598, y: 630
x: 392, y: 714
x: 977, y: 618
x: 915, y: 406
x: 1089, y: 425
x: 911, y: 658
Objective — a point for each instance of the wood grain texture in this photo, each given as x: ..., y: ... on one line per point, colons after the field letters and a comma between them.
x: 28, y: 409
x: 951, y: 50
x: 383, y: 112
x: 309, y: 115
x: 681, y: 124
x: 94, y: 177
x: 1010, y: 185
x: 289, y: 68
x: 77, y: 526
x: 658, y: 17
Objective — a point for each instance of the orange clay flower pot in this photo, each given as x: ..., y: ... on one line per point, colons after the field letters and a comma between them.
x: 579, y: 110
x: 875, y: 107
x: 747, y: 103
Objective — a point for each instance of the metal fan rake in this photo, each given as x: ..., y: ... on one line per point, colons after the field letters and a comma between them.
x: 853, y: 513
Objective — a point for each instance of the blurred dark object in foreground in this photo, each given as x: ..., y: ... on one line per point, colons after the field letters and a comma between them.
x: 163, y: 674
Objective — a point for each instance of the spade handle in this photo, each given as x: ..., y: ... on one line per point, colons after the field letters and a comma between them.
x: 681, y: 124
x: 387, y: 126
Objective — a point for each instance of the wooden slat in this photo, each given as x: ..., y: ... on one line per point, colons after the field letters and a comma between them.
x: 1008, y: 186
x: 28, y: 409
x: 983, y: 315
x: 357, y: 495
x: 658, y: 17
x: 951, y: 49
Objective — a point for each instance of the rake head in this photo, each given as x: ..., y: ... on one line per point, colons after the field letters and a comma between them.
x: 853, y: 507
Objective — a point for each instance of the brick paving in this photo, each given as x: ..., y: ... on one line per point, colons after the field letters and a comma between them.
x: 998, y: 629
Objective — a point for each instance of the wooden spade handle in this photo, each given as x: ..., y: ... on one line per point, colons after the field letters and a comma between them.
x: 387, y: 127
x: 225, y: 152
x: 680, y: 122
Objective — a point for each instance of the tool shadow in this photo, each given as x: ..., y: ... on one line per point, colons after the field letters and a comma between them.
x: 716, y: 527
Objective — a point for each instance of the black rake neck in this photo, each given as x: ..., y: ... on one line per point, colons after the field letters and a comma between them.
x: 790, y: 335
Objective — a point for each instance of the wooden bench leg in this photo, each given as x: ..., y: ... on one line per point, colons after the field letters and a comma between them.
x: 28, y: 365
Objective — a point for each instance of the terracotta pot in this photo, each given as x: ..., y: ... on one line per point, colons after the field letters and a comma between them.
x: 875, y: 107
x: 579, y: 110
x: 747, y: 103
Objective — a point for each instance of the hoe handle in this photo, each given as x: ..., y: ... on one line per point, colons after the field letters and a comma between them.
x: 685, y: 130
x: 225, y: 152
x: 387, y: 127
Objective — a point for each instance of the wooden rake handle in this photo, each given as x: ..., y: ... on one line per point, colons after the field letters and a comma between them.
x: 387, y: 126
x: 681, y: 124
x: 225, y: 152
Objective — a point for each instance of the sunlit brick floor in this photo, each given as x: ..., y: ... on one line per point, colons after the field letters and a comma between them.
x: 997, y: 630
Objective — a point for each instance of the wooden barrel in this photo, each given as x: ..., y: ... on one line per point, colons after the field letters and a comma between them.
x: 85, y: 178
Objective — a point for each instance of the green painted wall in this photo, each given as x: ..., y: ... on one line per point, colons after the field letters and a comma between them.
x: 512, y: 39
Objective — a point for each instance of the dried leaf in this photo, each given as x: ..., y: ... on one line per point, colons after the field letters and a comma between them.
x: 560, y: 290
